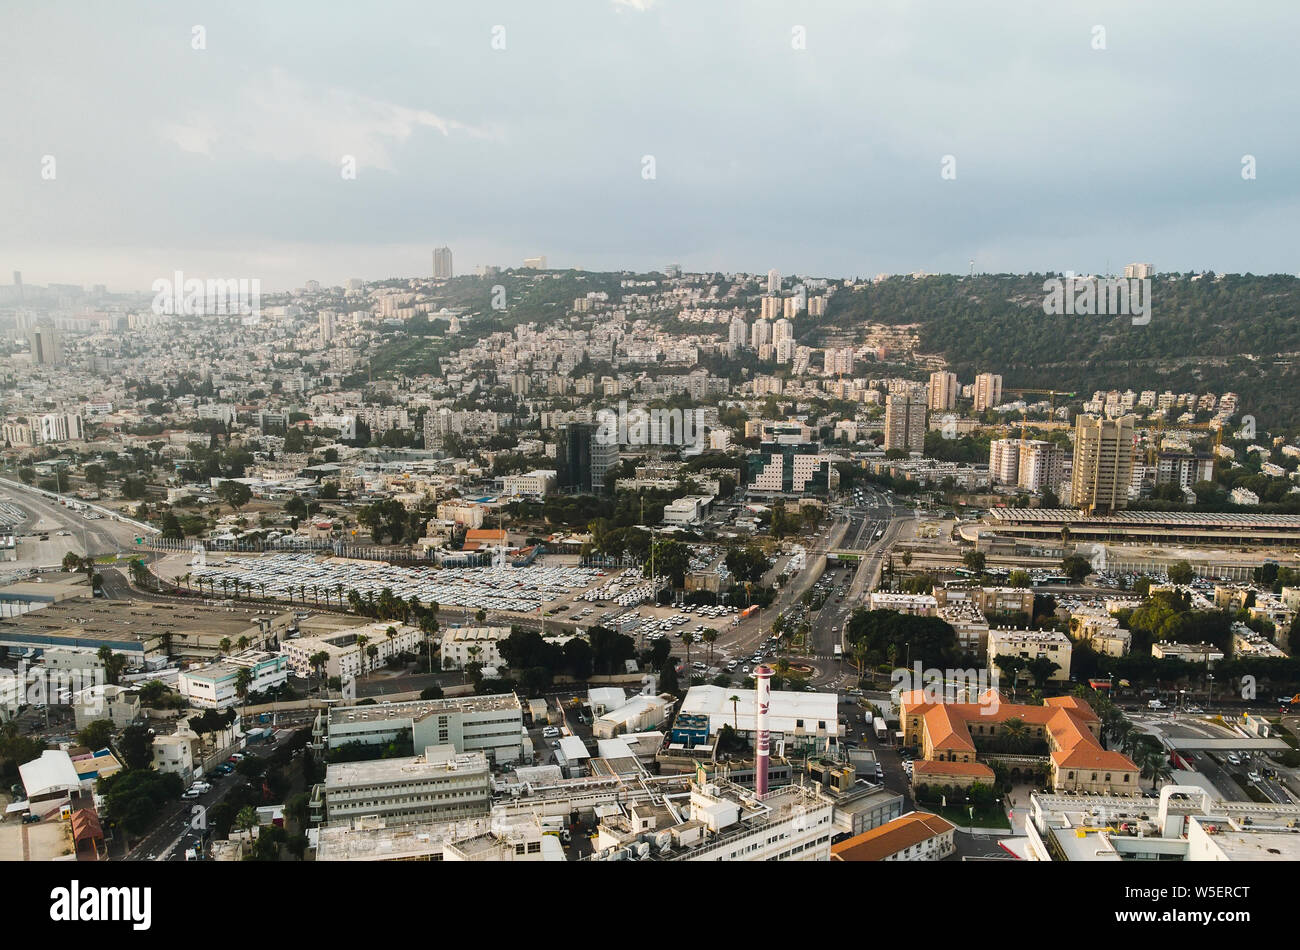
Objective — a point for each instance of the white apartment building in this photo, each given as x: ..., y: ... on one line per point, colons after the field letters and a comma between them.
x: 348, y: 657
x: 537, y: 482
x: 1004, y: 461
x: 464, y: 645
x: 1041, y: 465
x: 1032, y: 645
x: 461, y: 512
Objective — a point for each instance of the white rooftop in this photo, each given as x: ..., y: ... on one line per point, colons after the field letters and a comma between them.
x: 784, y: 713
x: 52, y: 772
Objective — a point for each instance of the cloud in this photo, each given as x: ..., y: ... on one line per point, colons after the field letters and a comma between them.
x: 640, y: 6
x: 287, y: 120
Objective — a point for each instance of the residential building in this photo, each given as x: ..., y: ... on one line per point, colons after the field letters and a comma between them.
x: 1103, y: 463
x: 988, y: 391
x: 942, y: 391
x: 442, y: 263
x: 905, y: 421
x: 464, y: 645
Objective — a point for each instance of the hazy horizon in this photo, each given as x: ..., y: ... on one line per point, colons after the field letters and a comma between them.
x: 826, y: 160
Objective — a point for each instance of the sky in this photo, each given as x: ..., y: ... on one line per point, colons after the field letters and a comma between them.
x: 825, y: 138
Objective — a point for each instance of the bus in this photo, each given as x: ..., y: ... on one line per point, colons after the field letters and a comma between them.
x: 839, y: 652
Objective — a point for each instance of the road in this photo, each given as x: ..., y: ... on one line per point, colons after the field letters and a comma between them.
x: 88, y: 537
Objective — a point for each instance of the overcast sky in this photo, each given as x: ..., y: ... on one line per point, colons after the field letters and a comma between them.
x: 827, y: 160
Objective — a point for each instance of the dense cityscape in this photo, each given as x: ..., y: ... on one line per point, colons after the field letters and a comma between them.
x: 616, y: 553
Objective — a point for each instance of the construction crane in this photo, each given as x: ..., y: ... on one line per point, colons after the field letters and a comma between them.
x: 1153, y: 444
x: 1052, y: 393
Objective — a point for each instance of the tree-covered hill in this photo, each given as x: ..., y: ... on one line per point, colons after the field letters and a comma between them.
x: 1212, y: 334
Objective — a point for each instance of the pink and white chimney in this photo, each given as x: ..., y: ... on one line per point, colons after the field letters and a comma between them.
x: 762, y: 741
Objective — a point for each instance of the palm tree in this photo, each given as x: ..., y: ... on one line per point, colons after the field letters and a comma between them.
x: 362, y: 639
x: 710, y: 637
x: 735, y: 712
x: 224, y: 645
x: 242, y: 681
x: 687, y: 638
x: 1016, y: 733
x: 1153, y: 762
x: 318, y: 661
x: 246, y: 820
x: 243, y: 643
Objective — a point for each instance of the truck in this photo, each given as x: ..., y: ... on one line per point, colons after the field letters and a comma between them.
x: 882, y: 731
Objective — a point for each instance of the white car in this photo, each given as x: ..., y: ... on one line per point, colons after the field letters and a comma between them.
x: 550, y: 732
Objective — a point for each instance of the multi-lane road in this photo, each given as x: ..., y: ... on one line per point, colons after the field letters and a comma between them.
x: 65, y: 530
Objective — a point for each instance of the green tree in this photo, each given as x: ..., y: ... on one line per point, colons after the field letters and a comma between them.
x: 97, y: 734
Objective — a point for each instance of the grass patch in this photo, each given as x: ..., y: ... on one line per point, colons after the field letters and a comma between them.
x: 1253, y: 793
x: 988, y: 818
x: 1285, y: 734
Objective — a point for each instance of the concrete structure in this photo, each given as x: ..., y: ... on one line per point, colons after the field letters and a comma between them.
x: 143, y: 630
x: 916, y: 836
x: 905, y: 421
x: 215, y: 685
x: 1103, y: 463
x: 721, y: 822
x: 795, y: 720
x: 1033, y: 645
x: 493, y: 725
x: 988, y: 391
x: 463, y: 645
x: 942, y: 391
x: 348, y: 657
x: 118, y: 705
x: 439, y: 785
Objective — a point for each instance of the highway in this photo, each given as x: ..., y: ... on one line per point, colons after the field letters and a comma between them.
x: 94, y: 537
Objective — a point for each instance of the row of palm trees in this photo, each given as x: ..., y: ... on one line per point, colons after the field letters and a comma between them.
x: 1147, y: 751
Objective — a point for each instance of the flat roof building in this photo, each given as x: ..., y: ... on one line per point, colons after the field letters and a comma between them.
x: 493, y: 725
x: 439, y: 785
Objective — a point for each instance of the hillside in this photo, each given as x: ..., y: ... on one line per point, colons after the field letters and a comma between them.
x: 1235, y: 333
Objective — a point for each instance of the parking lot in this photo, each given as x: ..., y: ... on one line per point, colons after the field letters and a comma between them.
x: 514, y: 589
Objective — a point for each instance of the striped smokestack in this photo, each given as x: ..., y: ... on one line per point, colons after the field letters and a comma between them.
x: 763, y: 682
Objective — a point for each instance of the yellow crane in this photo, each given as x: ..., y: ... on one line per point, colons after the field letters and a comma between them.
x: 1051, y: 393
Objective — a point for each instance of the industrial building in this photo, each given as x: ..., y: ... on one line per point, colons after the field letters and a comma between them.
x: 143, y: 631
x: 439, y: 785
x: 493, y: 725
x: 215, y: 685
x: 798, y: 721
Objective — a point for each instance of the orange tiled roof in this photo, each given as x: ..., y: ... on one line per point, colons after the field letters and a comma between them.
x: 897, y: 835
x: 947, y: 730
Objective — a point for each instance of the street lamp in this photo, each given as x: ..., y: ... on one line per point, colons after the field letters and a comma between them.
x: 1210, y: 678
